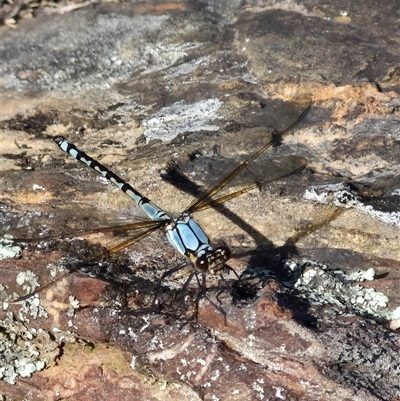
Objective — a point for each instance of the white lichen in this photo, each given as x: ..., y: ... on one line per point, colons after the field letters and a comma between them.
x: 73, y: 304
x: 32, y: 308
x: 318, y: 284
x: 180, y: 118
x: 340, y: 195
x: 23, y: 350
x: 28, y: 280
x: 7, y: 248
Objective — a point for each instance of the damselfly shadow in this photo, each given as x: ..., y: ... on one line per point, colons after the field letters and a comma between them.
x: 183, y: 232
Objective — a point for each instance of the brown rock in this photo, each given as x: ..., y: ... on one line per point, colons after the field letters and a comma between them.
x: 162, y: 92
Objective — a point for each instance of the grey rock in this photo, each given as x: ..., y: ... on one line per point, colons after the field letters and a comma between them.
x: 162, y: 92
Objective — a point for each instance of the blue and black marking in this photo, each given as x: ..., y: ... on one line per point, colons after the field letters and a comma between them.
x: 183, y: 233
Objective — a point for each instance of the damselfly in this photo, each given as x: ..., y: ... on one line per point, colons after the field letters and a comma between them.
x: 182, y: 232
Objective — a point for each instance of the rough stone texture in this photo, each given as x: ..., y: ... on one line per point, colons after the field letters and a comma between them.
x: 162, y: 91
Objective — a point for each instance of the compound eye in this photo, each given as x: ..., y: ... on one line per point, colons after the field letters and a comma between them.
x: 202, y: 264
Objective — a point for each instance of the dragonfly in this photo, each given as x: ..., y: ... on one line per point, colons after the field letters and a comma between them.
x: 183, y: 233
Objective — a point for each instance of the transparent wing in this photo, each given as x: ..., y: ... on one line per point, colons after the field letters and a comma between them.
x: 144, y: 232
x: 278, y: 169
x: 206, y: 199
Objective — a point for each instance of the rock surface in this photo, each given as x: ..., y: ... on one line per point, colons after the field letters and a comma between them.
x: 162, y: 91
